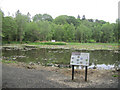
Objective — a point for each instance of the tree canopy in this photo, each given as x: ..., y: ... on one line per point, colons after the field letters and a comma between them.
x: 43, y: 27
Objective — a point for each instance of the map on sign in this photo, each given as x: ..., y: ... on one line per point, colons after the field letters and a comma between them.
x: 78, y: 58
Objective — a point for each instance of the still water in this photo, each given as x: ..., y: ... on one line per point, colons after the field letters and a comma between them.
x: 100, y: 59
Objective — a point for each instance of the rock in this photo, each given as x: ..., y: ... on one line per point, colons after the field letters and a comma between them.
x: 64, y: 66
x: 38, y: 63
x: 31, y: 63
x: 22, y: 56
x: 94, y: 67
x: 56, y: 65
x: 45, y: 59
x: 116, y: 51
x: 30, y: 67
x: 60, y: 66
x: 49, y: 51
x: 111, y: 80
x: 49, y: 64
x: 117, y: 68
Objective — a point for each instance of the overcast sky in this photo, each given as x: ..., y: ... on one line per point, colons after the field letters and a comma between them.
x: 96, y: 9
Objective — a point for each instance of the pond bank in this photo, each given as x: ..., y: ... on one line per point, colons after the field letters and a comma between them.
x: 96, y: 78
x: 81, y: 46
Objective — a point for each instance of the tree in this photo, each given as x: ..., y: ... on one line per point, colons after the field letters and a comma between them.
x: 69, y: 32
x: 97, y: 33
x: 62, y: 19
x: 9, y: 28
x: 32, y: 32
x: 44, y: 17
x: 58, y: 32
x: 83, y: 18
x: 47, y: 17
x: 62, y: 28
x: 1, y: 17
x: 21, y: 21
x: 1, y: 13
x: 28, y: 17
x: 107, y: 35
x: 37, y: 17
x: 71, y: 20
x: 115, y: 32
x: 78, y: 17
x: 90, y: 20
x: 45, y: 30
x: 83, y: 33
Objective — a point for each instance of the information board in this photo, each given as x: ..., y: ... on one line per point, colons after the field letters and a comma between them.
x: 78, y: 58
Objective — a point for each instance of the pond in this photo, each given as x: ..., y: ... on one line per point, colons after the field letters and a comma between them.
x: 100, y: 59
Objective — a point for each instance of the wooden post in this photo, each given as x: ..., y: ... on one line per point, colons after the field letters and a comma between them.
x: 72, y: 72
x: 86, y: 73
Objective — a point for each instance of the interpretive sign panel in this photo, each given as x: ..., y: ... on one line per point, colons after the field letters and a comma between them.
x: 78, y: 58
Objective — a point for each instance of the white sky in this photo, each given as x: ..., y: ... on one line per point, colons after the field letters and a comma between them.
x: 96, y: 9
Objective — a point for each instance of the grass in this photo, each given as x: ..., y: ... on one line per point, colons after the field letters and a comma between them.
x: 35, y: 43
x: 7, y: 61
x: 115, y: 75
x: 48, y: 43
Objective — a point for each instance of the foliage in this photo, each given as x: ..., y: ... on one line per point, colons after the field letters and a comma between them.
x: 69, y: 32
x: 43, y: 27
x: 107, y: 35
x: 61, y: 20
x: 21, y: 21
x: 9, y: 28
x: 83, y: 33
x: 44, y: 17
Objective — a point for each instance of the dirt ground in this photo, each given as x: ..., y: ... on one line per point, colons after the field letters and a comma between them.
x: 95, y: 79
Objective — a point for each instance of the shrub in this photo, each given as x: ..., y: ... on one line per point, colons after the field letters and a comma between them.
x: 91, y: 41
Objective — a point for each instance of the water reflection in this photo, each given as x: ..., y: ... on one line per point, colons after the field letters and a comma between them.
x: 100, y: 59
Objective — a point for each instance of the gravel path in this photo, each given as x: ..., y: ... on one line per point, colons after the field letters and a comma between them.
x: 13, y: 77
x: 17, y: 76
